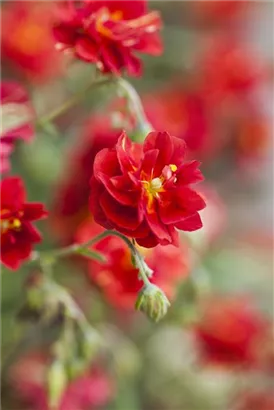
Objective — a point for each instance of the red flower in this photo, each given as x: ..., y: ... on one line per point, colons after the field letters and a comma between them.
x: 16, y: 120
x: 258, y: 400
x: 218, y: 11
x: 231, y: 331
x: 107, y: 33
x: 238, y: 71
x: 27, y: 43
x: 70, y: 207
x: 28, y: 378
x: 118, y: 278
x: 17, y: 233
x: 183, y: 113
x: 143, y: 191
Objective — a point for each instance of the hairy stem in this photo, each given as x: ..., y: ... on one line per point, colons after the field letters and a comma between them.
x: 72, y: 249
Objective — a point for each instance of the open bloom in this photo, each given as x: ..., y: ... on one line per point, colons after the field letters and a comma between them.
x: 16, y: 120
x: 17, y: 232
x: 119, y: 279
x: 107, y: 33
x: 142, y: 190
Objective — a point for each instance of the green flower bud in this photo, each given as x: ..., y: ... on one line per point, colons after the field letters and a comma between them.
x: 153, y: 302
x: 90, y: 343
x: 56, y: 383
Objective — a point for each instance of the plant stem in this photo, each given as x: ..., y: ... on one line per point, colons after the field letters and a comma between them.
x: 72, y: 101
x: 72, y: 249
x: 135, y: 103
x: 138, y: 258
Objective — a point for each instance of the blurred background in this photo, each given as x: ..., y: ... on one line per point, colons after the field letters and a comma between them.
x: 213, y: 87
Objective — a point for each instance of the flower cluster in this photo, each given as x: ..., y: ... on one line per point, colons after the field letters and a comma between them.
x: 143, y: 191
x: 108, y: 33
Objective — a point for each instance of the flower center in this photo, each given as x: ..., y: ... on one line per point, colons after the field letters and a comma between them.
x: 156, y: 185
x: 10, y: 223
x: 105, y: 15
x: 153, y: 188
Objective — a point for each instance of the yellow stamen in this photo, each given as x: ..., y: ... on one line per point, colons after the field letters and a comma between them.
x: 10, y: 224
x: 15, y: 224
x: 105, y: 15
x: 173, y: 167
x: 153, y: 188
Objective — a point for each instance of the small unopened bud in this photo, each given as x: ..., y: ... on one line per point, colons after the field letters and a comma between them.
x: 153, y: 302
x: 56, y: 382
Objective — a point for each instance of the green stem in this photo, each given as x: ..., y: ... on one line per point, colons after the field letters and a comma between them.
x: 138, y: 258
x: 72, y: 101
x: 72, y: 249
x: 135, y: 105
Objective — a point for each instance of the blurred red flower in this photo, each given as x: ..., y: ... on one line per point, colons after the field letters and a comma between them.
x: 183, y: 113
x: 229, y: 68
x: 27, y: 378
x: 252, y: 140
x: 231, y: 331
x: 17, y: 232
x: 16, y: 113
x: 218, y: 11
x: 27, y: 43
x: 142, y: 190
x: 70, y: 206
x: 262, y: 400
x: 118, y: 278
x: 16, y: 120
x: 107, y: 33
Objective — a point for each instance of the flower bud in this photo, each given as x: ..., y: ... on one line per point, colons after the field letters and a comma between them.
x: 56, y: 382
x: 153, y: 302
x: 90, y: 343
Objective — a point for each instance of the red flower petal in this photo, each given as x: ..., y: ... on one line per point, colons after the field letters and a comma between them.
x: 149, y: 241
x: 191, y: 223
x: 12, y: 193
x: 34, y: 211
x: 179, y: 204
x: 124, y: 216
x: 163, y: 142
x: 94, y: 202
x: 158, y: 228
x: 128, y: 153
x: 189, y: 173
x: 85, y: 49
